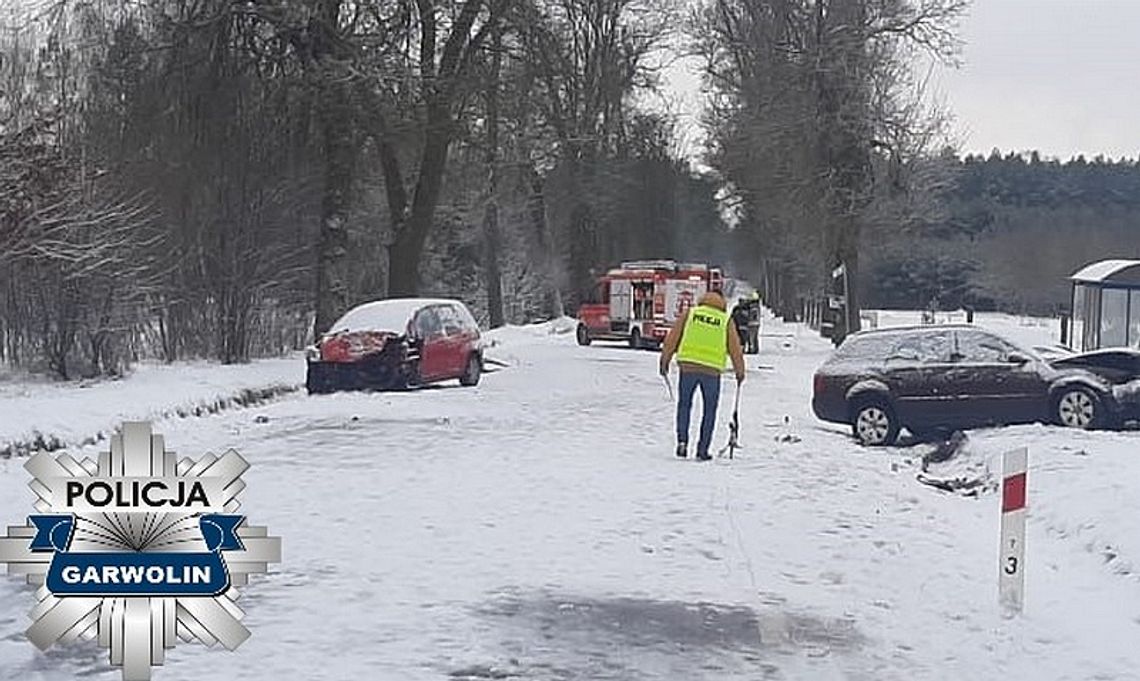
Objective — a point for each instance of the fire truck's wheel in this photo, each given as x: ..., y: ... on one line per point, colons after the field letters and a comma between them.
x: 635, y: 339
x: 583, y: 335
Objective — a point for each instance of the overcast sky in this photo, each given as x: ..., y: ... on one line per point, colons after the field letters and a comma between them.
x: 1058, y: 76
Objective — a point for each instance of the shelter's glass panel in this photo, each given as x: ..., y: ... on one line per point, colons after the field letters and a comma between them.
x: 1134, y: 319
x: 1113, y: 317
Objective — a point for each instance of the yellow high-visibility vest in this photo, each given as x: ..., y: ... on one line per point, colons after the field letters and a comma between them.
x: 704, y: 339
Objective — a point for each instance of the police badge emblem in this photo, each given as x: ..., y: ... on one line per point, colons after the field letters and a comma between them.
x: 137, y: 550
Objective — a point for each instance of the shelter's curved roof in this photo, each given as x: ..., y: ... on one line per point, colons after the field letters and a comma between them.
x: 1124, y: 271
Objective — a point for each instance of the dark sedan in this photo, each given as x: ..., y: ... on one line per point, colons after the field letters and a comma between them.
x: 938, y: 378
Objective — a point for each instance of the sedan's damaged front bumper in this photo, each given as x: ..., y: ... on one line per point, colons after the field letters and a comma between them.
x: 1127, y: 401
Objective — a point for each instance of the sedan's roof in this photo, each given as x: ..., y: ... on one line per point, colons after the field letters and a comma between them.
x: 920, y: 327
x: 888, y: 331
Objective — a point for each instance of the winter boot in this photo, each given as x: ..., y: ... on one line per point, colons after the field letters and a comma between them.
x: 703, y: 456
x: 682, y: 450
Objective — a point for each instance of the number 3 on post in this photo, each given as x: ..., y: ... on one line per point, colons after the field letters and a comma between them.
x: 1011, y: 565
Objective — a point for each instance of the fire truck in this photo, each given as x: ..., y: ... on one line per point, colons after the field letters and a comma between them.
x: 639, y: 301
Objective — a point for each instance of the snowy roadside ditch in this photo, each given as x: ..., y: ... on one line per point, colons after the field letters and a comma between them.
x: 37, y: 416
x: 1081, y: 485
x: 497, y: 353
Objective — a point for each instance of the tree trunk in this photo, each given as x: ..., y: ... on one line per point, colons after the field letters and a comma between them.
x: 854, y: 318
x: 336, y: 119
x: 541, y: 225
x: 491, y: 236
x: 332, y: 249
x: 845, y: 144
x: 491, y: 263
x: 403, y: 269
x: 406, y: 250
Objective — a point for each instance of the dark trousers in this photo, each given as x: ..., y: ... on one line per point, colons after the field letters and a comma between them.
x: 710, y: 397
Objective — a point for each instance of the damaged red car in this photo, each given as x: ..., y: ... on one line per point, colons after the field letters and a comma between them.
x: 396, y: 344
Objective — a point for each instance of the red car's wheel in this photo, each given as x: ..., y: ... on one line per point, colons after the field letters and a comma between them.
x: 472, y: 372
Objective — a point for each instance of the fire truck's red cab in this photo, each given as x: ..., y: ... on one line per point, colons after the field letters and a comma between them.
x: 638, y: 302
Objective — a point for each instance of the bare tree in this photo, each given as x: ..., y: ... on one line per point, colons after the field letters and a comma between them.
x: 438, y: 73
x: 492, y: 234
x: 811, y: 117
x: 588, y: 57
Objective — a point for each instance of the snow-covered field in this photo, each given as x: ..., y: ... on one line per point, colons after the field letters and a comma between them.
x: 538, y: 527
x: 1025, y: 331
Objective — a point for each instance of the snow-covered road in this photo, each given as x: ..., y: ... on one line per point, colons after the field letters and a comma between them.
x: 538, y: 527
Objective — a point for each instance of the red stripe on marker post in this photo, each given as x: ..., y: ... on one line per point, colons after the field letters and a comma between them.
x: 1011, y: 551
x: 1013, y: 493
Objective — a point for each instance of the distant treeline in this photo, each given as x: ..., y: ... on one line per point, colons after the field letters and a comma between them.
x: 1009, y: 232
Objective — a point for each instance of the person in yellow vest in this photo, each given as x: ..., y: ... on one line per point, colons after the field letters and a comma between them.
x: 702, y: 339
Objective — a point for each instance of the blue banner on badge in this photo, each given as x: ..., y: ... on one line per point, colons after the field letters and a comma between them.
x: 136, y: 573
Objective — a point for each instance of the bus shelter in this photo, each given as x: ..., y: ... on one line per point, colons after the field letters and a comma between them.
x: 1106, y: 305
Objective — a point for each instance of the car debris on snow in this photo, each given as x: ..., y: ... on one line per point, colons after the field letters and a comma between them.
x: 962, y: 475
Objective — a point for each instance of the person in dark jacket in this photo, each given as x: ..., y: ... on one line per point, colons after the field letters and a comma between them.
x: 746, y: 318
x: 740, y: 319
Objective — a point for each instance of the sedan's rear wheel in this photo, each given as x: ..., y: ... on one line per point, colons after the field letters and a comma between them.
x: 875, y: 423
x: 1077, y: 408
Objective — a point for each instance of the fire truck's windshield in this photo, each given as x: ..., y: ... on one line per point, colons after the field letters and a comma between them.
x: 599, y: 294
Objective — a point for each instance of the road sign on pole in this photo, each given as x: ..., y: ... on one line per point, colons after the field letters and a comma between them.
x: 1011, y: 562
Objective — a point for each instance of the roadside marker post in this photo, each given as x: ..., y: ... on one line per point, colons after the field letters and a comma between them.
x: 1011, y: 562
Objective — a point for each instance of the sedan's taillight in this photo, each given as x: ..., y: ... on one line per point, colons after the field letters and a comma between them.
x: 818, y: 384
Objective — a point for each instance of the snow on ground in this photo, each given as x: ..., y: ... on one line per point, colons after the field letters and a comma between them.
x: 73, y: 412
x: 1022, y: 330
x: 538, y: 527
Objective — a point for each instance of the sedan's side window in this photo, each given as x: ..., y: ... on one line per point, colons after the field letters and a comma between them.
x: 927, y: 348
x: 905, y: 351
x: 981, y: 348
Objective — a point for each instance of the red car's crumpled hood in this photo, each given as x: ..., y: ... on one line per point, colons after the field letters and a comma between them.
x: 351, y: 346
